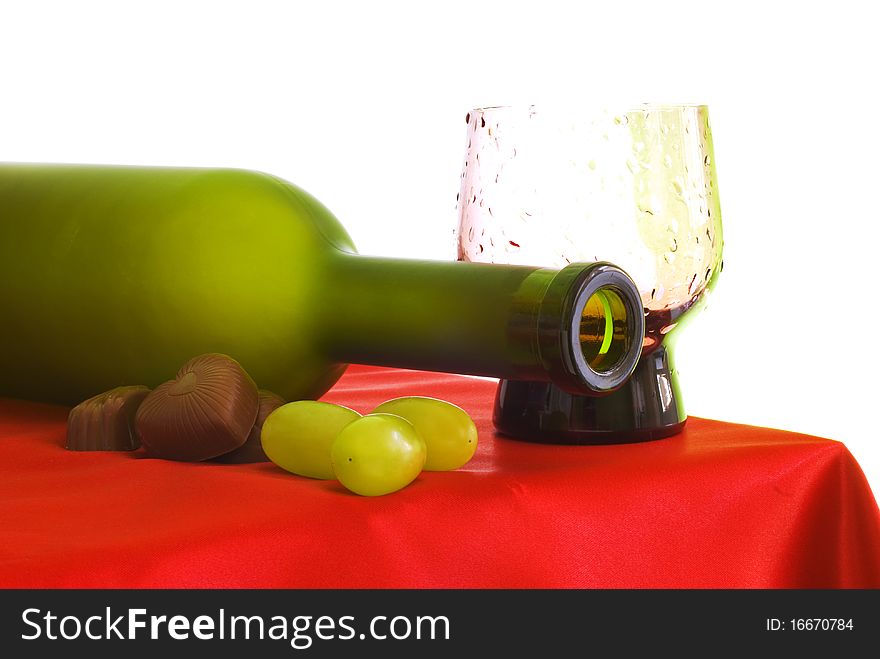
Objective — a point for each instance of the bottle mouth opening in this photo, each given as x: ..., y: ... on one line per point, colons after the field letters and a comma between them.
x: 608, y: 327
x: 592, y: 328
x: 604, y: 331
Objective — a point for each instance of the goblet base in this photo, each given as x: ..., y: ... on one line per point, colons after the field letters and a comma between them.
x: 647, y: 407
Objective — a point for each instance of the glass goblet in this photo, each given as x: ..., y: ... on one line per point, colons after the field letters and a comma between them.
x: 634, y: 186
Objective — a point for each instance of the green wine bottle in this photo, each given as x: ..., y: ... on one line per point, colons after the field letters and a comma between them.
x: 114, y: 275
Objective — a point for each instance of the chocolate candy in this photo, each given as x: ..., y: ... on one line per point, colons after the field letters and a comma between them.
x: 209, y: 409
x: 252, y: 449
x: 106, y: 422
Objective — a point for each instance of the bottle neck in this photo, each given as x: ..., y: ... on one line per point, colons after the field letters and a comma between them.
x: 580, y: 327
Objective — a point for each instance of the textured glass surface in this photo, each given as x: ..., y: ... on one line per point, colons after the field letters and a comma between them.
x: 634, y: 186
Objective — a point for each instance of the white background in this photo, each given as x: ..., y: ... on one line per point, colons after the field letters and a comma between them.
x: 363, y: 104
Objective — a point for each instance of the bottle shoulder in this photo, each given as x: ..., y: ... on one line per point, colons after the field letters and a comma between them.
x: 275, y: 199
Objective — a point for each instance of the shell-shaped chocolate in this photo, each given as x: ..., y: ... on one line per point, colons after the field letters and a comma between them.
x: 207, y: 410
x: 252, y: 449
x: 106, y: 422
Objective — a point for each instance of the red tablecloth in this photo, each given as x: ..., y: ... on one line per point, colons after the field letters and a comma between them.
x: 721, y: 505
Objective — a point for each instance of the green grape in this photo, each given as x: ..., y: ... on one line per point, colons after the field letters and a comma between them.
x: 448, y: 431
x: 297, y: 436
x: 378, y: 454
